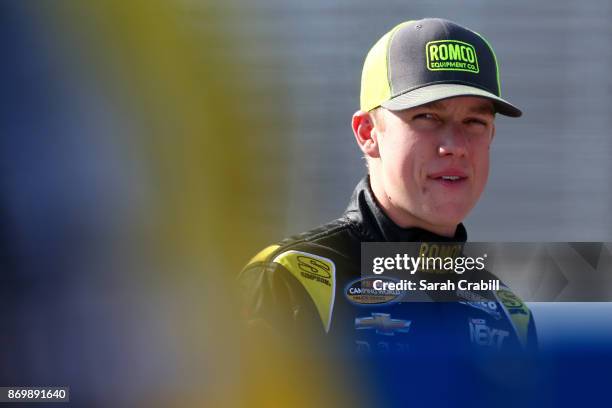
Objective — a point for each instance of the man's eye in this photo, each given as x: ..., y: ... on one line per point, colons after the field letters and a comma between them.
x: 425, y: 116
x: 474, y: 121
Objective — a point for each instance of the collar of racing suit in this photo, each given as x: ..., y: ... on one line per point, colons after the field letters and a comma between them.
x: 373, y: 224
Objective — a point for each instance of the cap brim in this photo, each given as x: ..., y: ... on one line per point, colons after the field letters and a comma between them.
x: 436, y: 92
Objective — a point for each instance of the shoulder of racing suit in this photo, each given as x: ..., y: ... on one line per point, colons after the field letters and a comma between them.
x: 288, y: 283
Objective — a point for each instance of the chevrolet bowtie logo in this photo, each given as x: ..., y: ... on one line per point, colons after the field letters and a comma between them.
x: 383, y: 324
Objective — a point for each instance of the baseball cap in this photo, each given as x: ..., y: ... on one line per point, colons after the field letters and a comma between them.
x: 423, y: 61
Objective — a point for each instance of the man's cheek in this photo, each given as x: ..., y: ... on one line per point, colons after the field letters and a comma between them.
x: 482, y: 176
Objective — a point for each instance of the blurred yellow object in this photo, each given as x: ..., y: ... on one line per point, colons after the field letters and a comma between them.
x: 212, y: 168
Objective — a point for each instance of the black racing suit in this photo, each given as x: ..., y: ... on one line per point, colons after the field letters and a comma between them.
x: 304, y: 283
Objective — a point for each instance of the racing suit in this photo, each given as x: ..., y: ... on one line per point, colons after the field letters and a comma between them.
x: 307, y: 283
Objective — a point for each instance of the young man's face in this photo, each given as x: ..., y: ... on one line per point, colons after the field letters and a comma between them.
x: 433, y: 161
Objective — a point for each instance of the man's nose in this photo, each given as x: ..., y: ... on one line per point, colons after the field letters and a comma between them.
x: 453, y: 141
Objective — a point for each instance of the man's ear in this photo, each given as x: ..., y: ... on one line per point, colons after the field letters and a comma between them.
x: 493, y: 133
x: 365, y: 133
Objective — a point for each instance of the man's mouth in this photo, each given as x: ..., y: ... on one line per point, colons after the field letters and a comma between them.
x: 449, y: 178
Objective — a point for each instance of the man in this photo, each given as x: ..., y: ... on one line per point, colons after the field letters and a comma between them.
x: 429, y: 94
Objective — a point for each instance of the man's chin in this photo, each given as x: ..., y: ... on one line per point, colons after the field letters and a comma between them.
x: 448, y: 215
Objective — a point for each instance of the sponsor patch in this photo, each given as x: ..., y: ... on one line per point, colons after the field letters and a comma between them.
x: 517, y: 311
x: 317, y: 275
x: 315, y: 269
x: 451, y: 55
x: 483, y: 335
x: 380, y: 347
x: 514, y: 305
x: 489, y: 307
x: 479, y: 302
x: 383, y: 324
x: 362, y: 292
x: 434, y: 256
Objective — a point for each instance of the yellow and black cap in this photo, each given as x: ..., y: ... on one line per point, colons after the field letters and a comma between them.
x: 423, y: 61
